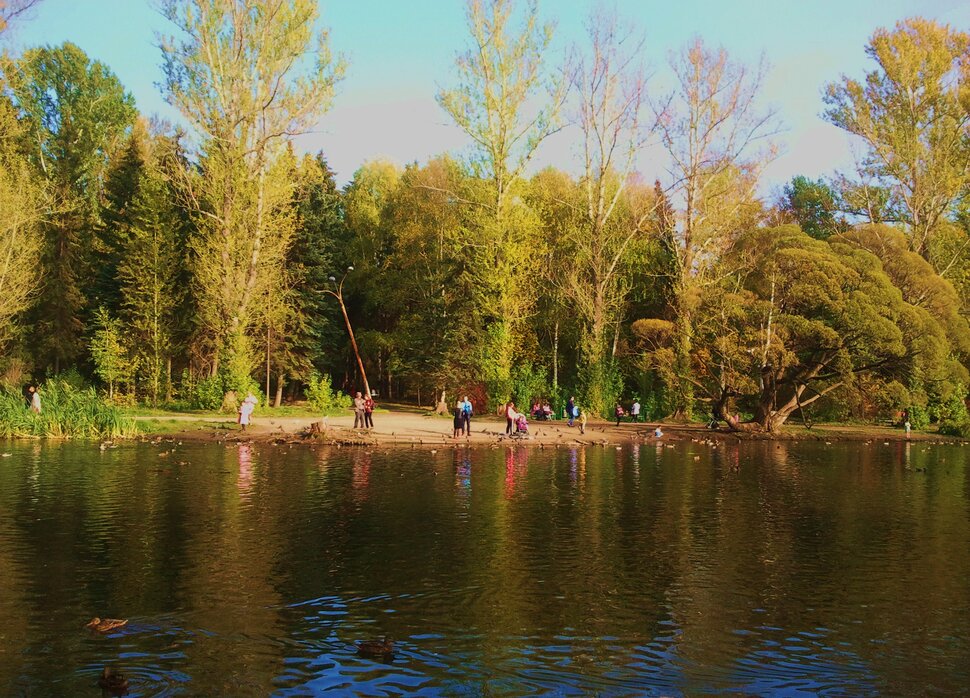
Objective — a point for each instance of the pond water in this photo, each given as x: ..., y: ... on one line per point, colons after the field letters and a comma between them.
x: 755, y: 568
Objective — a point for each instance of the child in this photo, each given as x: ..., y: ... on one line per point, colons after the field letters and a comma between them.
x: 658, y: 432
x: 582, y: 421
x: 618, y: 413
x: 521, y: 425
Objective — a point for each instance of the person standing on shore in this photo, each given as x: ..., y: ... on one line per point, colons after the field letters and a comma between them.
x: 246, y: 410
x: 635, y: 410
x: 35, y: 400
x: 466, y: 416
x: 459, y: 422
x: 582, y: 421
x: 369, y: 412
x: 510, y: 416
x: 359, y: 411
x: 571, y: 411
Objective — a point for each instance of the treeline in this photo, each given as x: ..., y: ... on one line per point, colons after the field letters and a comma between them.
x: 173, y: 265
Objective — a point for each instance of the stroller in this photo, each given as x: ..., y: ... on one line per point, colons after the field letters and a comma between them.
x: 521, y: 426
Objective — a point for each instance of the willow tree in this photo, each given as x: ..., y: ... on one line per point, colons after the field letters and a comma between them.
x: 500, y: 81
x: 248, y: 75
x: 912, y: 114
x: 711, y: 129
x: 610, y: 84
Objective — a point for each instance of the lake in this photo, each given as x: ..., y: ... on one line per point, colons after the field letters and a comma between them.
x: 754, y: 568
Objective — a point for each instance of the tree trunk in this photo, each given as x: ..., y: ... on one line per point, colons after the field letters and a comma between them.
x: 279, y: 390
x: 555, y: 359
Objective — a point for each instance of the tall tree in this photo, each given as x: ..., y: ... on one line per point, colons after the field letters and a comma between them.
x: 22, y: 207
x: 610, y: 84
x: 151, y: 260
x: 912, y: 113
x: 247, y: 74
x: 711, y: 129
x: 77, y: 114
x: 499, y: 80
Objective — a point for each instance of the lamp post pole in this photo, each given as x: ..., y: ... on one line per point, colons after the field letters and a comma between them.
x: 339, y: 295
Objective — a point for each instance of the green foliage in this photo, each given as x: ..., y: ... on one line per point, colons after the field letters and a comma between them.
x: 919, y: 417
x: 813, y: 206
x: 600, y: 386
x: 321, y: 396
x: 204, y: 394
x: 528, y: 384
x: 109, y: 351
x: 66, y: 411
x: 75, y: 113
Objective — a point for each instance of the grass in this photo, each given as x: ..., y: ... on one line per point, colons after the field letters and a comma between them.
x: 67, y: 411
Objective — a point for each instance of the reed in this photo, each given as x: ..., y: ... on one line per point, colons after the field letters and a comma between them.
x: 67, y: 411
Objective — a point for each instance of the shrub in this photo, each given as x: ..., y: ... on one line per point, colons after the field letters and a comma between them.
x: 322, y: 397
x: 919, y: 418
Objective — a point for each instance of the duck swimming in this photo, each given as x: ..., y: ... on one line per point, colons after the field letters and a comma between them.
x: 103, y: 625
x: 376, y: 649
x: 110, y: 682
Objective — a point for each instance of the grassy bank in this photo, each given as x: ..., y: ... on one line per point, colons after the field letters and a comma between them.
x: 67, y: 411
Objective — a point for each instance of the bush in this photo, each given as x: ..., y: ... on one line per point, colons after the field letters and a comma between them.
x: 321, y: 396
x: 66, y: 411
x: 205, y: 394
x: 919, y: 418
x: 961, y: 429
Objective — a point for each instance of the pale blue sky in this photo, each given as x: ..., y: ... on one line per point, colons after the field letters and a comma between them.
x: 400, y: 51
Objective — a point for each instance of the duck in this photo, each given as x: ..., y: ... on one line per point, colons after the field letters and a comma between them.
x: 376, y: 649
x: 115, y: 684
x: 103, y: 625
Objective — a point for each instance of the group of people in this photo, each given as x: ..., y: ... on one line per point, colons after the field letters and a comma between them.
x: 620, y: 413
x: 541, y: 411
x: 573, y: 413
x: 363, y: 412
x: 463, y: 418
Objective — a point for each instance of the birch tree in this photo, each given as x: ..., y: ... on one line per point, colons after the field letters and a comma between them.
x: 248, y: 75
x: 716, y: 139
x: 499, y: 103
x: 610, y: 86
x: 912, y: 114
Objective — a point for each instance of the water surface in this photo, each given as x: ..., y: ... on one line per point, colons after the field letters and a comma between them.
x: 756, y: 568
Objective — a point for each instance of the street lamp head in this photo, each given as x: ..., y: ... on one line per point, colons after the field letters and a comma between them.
x: 350, y: 268
x: 332, y: 278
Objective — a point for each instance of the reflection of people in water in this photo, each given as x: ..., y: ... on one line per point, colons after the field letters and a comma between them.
x: 245, y: 481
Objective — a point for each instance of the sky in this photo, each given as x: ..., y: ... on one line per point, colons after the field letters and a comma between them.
x: 400, y: 53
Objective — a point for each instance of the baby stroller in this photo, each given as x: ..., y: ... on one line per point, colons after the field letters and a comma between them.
x: 521, y: 426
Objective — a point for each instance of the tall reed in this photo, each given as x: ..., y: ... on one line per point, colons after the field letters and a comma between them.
x: 66, y: 411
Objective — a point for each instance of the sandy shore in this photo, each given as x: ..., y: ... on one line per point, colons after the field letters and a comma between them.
x: 413, y: 427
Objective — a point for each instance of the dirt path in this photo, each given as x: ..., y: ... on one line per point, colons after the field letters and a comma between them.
x: 412, y: 427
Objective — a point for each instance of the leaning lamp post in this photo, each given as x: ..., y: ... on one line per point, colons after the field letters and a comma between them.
x: 339, y: 295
